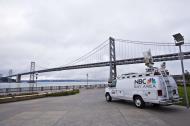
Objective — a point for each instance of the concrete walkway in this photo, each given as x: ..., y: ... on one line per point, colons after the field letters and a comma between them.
x: 88, y: 108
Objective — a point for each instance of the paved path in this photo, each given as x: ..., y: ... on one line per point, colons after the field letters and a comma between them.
x: 88, y: 108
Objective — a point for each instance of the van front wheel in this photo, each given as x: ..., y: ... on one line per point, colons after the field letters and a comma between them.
x: 139, y: 103
x: 108, y: 97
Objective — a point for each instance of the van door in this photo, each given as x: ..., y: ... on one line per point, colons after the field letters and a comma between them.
x: 168, y: 90
x: 120, y: 93
x: 113, y: 93
x: 173, y: 90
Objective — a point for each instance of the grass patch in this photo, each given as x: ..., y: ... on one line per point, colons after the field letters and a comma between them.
x: 28, y: 96
x: 64, y: 93
x: 181, y: 94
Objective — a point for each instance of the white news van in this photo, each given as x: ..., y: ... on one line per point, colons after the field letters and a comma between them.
x: 155, y: 86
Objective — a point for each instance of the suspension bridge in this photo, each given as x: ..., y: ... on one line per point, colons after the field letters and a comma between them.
x: 113, y: 52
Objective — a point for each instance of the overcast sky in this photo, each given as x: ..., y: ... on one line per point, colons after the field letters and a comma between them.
x: 54, y: 32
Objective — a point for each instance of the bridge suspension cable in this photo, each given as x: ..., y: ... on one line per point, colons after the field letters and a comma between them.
x: 150, y: 43
x: 87, y: 56
x: 126, y: 49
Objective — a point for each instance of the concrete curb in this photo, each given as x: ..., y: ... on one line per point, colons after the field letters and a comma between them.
x: 20, y: 98
x: 29, y: 97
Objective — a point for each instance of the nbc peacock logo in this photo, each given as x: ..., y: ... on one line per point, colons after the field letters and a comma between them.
x: 151, y: 81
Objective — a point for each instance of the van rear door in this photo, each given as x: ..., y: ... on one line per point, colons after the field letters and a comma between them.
x: 169, y: 87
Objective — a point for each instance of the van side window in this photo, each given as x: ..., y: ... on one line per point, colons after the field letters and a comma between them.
x: 128, y: 76
x: 140, y: 75
x: 133, y: 76
x: 167, y: 73
x: 156, y: 73
x: 123, y: 77
x: 147, y: 74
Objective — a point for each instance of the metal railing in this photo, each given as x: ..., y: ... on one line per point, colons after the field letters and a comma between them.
x: 48, y: 88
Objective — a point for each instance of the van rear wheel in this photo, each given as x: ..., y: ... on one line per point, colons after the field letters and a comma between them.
x: 139, y: 103
x: 108, y: 97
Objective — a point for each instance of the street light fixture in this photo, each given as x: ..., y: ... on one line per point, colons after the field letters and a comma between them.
x: 179, y: 40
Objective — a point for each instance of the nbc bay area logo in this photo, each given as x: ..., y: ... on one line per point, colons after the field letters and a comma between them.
x: 145, y: 83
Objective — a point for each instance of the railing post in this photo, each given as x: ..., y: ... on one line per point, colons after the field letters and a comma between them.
x: 7, y: 90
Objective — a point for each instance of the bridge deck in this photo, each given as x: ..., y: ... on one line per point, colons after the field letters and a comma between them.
x: 158, y: 58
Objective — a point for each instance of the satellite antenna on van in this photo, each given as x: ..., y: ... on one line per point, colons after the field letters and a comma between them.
x: 148, y: 59
x: 163, y: 65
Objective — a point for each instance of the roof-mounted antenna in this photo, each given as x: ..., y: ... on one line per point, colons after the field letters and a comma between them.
x: 148, y: 59
x: 163, y: 65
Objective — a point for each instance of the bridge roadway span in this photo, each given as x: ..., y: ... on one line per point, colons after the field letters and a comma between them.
x: 89, y: 108
x: 158, y: 58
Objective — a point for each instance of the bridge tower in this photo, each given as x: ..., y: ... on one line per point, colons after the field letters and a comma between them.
x: 10, y: 78
x: 113, y: 70
x: 18, y: 78
x: 32, y: 69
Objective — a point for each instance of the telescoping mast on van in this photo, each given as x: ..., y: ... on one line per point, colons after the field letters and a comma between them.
x: 154, y: 86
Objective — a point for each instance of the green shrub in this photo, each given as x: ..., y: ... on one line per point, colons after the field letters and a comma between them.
x: 181, y: 94
x: 55, y: 94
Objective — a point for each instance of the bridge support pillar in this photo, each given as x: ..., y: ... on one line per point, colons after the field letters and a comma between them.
x: 10, y: 78
x: 32, y: 69
x: 113, y: 72
x: 18, y: 78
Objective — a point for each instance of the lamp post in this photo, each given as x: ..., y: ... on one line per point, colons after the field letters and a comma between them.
x: 87, y: 79
x: 36, y: 80
x: 179, y: 40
